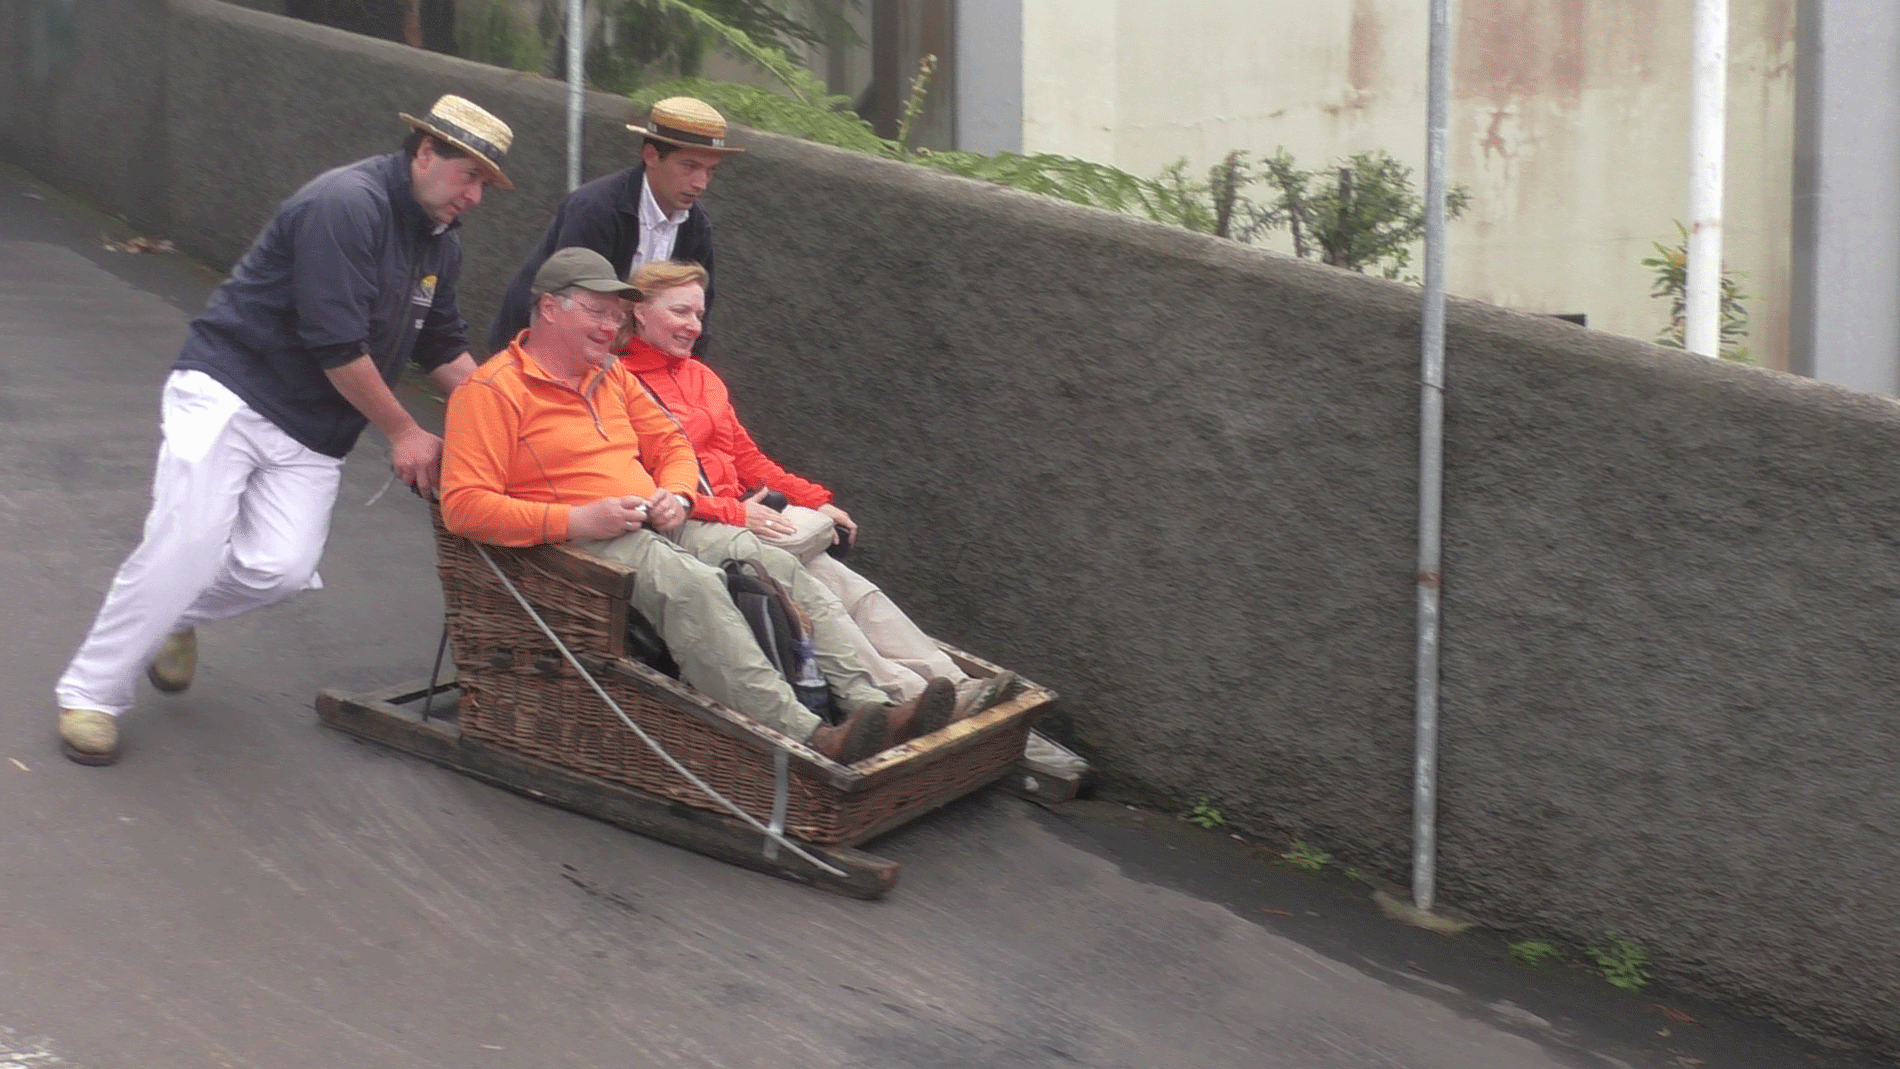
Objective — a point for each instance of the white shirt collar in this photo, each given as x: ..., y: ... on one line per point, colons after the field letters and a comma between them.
x: 650, y: 215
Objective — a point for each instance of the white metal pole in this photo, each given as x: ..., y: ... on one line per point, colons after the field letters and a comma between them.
x: 1431, y: 470
x: 1708, y: 104
x: 576, y: 87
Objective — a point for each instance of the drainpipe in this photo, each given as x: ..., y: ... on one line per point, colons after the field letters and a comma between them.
x: 1708, y: 101
x: 1431, y: 469
x: 576, y: 87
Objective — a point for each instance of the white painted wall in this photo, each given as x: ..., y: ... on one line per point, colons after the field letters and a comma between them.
x: 1569, y: 124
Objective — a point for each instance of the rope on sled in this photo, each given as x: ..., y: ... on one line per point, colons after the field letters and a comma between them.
x: 774, y: 835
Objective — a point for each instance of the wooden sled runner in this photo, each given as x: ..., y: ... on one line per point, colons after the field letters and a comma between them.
x: 519, y: 716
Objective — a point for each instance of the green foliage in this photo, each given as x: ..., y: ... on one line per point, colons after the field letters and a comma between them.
x: 1368, y: 216
x: 1360, y: 214
x: 914, y: 103
x: 494, y: 32
x: 1219, y: 205
x: 1206, y: 816
x: 1079, y: 181
x: 1302, y: 856
x: 804, y: 107
x: 1623, y: 963
x: 1533, y: 952
x: 638, y: 39
x: 1670, y: 266
x: 1193, y: 210
x: 766, y: 50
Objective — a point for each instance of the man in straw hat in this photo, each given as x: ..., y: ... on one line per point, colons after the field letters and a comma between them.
x: 553, y: 440
x: 295, y: 353
x: 642, y: 214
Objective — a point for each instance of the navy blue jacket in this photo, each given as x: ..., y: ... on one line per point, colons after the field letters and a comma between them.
x: 603, y: 215
x: 350, y: 264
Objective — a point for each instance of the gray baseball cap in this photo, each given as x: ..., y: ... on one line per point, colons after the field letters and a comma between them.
x: 575, y: 266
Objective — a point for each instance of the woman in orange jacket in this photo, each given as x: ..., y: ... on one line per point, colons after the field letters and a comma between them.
x: 738, y: 477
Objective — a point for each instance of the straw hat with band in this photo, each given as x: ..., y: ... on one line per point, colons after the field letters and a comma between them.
x: 687, y: 122
x: 461, y: 123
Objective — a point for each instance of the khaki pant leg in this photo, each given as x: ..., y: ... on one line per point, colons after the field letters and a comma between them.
x: 688, y: 604
x: 715, y: 543
x: 898, y: 683
x: 811, y: 535
x: 878, y: 618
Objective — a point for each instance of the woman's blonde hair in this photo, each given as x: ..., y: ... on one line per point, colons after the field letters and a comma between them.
x: 666, y: 274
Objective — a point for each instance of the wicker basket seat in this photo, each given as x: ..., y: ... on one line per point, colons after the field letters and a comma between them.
x: 519, y: 694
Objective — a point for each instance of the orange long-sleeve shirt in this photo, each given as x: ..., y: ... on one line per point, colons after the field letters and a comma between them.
x: 521, y: 449
x: 732, y: 461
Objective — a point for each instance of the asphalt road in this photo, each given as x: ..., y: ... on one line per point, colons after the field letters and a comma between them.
x: 249, y: 889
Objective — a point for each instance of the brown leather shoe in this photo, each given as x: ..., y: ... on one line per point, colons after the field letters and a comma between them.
x: 925, y: 713
x: 89, y: 736
x: 854, y: 738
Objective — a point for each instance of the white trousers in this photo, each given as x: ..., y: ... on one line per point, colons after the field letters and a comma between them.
x: 240, y: 512
x: 897, y: 653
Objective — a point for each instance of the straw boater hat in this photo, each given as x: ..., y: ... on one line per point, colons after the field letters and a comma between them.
x: 686, y: 122
x: 469, y: 128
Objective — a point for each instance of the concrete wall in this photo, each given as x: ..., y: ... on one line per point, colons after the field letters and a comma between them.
x: 84, y: 98
x: 1174, y: 478
x: 1569, y: 124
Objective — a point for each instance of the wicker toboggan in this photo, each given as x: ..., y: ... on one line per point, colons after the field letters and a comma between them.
x: 520, y: 695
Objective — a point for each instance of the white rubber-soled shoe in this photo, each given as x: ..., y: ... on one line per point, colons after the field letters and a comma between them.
x: 89, y: 736
x: 981, y: 694
x: 176, y: 662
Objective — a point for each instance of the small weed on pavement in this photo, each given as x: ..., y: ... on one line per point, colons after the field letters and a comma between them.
x: 1623, y: 963
x: 1302, y: 856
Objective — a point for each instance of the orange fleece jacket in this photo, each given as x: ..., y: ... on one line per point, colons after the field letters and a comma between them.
x: 521, y: 449
x: 733, y: 463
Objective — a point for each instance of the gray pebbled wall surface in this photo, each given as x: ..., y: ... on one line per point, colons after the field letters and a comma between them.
x: 1175, y: 479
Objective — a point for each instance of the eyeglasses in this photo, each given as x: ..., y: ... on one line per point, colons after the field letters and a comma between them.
x: 602, y: 315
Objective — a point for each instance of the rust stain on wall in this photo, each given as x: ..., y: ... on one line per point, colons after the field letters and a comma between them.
x: 1494, y: 133
x: 1365, y: 59
x: 1778, y: 39
x: 1510, y: 49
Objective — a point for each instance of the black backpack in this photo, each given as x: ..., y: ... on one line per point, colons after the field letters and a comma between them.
x: 782, y: 629
x: 779, y: 625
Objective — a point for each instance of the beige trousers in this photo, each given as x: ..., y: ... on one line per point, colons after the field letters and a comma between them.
x: 897, y: 653
x: 679, y: 587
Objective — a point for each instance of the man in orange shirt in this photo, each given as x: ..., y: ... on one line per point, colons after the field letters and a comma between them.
x: 552, y: 441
